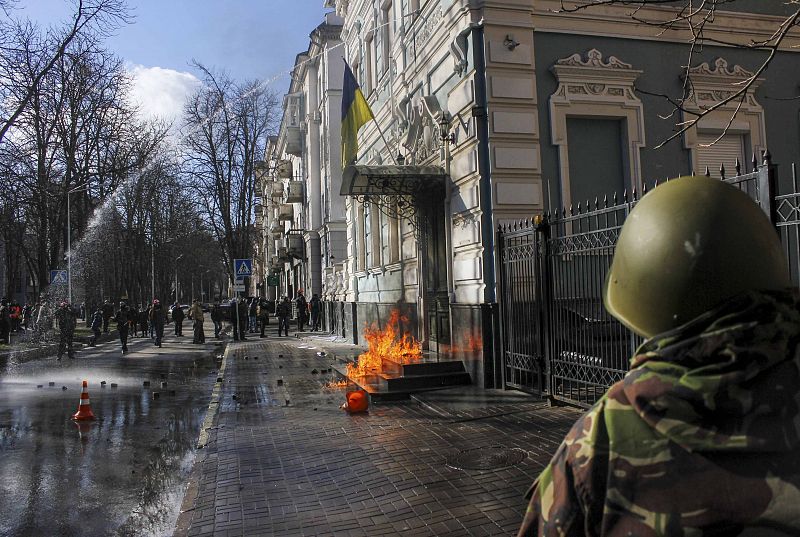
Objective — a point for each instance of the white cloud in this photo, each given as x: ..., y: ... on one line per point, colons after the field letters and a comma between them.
x: 160, y: 92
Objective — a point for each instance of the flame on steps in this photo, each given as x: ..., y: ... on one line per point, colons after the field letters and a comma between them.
x: 390, y: 343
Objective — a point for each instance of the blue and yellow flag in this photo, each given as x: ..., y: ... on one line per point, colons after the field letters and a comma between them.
x: 355, y: 114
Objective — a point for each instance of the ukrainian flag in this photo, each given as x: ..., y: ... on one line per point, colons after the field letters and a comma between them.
x: 355, y: 114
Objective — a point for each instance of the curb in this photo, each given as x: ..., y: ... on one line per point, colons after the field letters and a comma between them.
x: 213, y: 405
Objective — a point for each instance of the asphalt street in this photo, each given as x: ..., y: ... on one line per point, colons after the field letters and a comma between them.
x: 122, y: 474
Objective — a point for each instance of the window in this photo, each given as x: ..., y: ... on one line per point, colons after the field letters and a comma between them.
x: 387, y: 34
x: 596, y: 93
x: 724, y: 151
x: 742, y: 120
x: 596, y: 159
x: 361, y: 243
x: 369, y: 66
x: 374, y: 238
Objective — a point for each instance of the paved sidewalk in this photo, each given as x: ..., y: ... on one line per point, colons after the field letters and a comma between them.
x: 286, y: 460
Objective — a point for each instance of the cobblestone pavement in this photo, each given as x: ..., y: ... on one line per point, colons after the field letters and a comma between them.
x: 283, y: 459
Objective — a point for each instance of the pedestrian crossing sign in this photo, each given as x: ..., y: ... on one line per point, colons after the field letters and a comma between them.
x: 58, y: 277
x: 243, y: 268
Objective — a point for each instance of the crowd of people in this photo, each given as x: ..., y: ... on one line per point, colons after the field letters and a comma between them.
x: 246, y: 316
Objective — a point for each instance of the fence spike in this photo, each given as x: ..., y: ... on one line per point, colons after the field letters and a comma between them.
x: 625, y: 195
x: 571, y: 210
x: 596, y: 205
x: 563, y: 212
x: 755, y: 162
x: 708, y: 172
x: 644, y: 188
x: 614, y: 199
x: 690, y: 173
x: 655, y: 184
x: 767, y: 157
x: 738, y: 167
x: 633, y: 194
x: 527, y: 223
x: 579, y: 208
x: 588, y: 206
x: 605, y: 200
x: 722, y: 171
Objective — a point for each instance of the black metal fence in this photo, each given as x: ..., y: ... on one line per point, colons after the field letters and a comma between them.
x: 558, y: 340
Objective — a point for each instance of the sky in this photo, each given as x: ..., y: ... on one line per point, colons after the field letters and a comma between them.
x: 249, y: 39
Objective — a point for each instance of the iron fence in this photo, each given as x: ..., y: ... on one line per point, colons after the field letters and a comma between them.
x: 557, y: 338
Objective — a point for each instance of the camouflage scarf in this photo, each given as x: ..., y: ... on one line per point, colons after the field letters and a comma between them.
x: 702, y: 437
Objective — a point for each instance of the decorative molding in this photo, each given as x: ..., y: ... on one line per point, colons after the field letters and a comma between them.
x: 720, y: 69
x: 459, y: 48
x: 423, y: 134
x: 594, y: 58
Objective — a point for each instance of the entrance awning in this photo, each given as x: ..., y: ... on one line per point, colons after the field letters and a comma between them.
x: 391, y: 180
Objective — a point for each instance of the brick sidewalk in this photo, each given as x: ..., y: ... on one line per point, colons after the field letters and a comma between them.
x: 309, y: 468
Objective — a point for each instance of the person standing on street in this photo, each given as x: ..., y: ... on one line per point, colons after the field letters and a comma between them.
x: 96, y: 326
x: 108, y: 313
x: 252, y: 315
x: 5, y: 322
x: 282, y: 311
x: 302, y: 310
x: 702, y: 435
x: 243, y: 308
x: 157, y: 319
x: 316, y: 312
x: 196, y: 315
x: 177, y: 318
x: 216, y: 318
x: 121, y: 318
x: 66, y: 329
x: 263, y: 315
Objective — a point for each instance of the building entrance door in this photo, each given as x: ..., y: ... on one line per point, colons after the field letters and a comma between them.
x: 434, y: 275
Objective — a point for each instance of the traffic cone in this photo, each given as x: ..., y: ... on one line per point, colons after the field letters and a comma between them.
x: 84, y: 408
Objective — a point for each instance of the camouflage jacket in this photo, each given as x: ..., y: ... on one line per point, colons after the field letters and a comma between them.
x: 701, y: 437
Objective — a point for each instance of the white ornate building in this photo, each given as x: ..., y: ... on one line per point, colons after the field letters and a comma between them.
x: 493, y: 111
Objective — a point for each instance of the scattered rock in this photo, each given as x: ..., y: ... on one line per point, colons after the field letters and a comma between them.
x: 38, y: 385
x: 219, y: 379
x: 63, y: 388
x: 233, y: 397
x: 314, y: 372
x: 102, y: 384
x: 280, y: 382
x: 287, y: 402
x: 113, y: 384
x: 51, y: 383
x: 146, y: 383
x: 280, y: 356
x: 322, y: 353
x: 280, y: 367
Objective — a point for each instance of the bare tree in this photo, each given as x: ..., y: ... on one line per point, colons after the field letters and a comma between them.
x: 90, y: 17
x: 699, y: 22
x: 226, y: 129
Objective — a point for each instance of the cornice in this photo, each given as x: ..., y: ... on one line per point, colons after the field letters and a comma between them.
x: 616, y: 21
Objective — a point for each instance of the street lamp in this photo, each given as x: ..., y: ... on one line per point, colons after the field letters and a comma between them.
x: 69, y: 243
x: 176, y: 276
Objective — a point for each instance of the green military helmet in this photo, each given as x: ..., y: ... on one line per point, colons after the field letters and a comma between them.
x: 687, y: 246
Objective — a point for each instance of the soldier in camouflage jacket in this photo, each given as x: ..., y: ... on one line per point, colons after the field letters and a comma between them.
x: 702, y: 436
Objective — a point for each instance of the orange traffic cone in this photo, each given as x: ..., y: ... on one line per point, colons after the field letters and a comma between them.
x: 84, y: 408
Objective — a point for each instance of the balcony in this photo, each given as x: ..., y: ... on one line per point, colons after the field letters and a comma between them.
x: 284, y: 169
x: 285, y: 212
x: 294, y: 141
x: 294, y: 192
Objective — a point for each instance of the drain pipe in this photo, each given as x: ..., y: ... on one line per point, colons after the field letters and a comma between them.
x: 481, y: 114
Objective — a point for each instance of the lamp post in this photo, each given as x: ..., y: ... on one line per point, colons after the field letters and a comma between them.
x: 69, y: 244
x: 176, y: 276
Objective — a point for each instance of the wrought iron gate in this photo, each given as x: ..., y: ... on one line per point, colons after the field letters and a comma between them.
x: 557, y: 338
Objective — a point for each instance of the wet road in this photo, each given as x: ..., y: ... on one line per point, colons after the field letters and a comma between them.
x: 124, y: 473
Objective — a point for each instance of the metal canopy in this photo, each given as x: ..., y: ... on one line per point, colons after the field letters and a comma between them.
x: 391, y: 180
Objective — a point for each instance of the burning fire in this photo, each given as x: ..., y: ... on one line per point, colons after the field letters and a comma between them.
x: 389, y: 343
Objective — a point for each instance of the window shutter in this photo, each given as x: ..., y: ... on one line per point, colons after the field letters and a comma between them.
x: 725, y: 151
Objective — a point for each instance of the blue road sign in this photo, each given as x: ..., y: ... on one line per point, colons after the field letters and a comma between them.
x: 59, y: 277
x: 243, y: 268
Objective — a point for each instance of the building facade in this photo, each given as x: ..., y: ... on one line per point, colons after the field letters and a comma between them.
x: 302, y: 215
x: 491, y: 111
